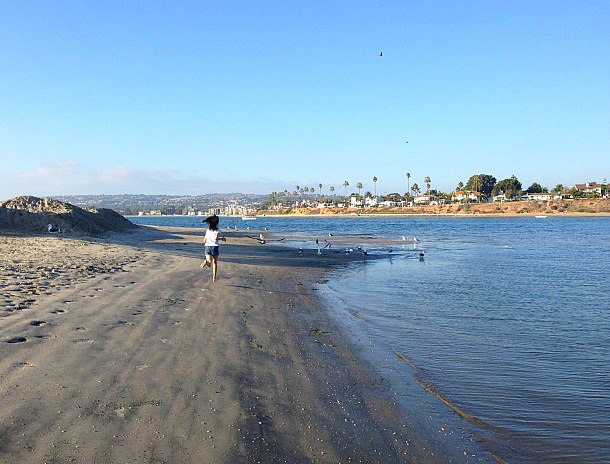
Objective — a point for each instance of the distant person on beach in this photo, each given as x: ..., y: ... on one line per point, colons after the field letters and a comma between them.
x: 212, y: 237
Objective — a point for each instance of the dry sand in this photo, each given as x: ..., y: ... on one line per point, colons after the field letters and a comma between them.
x: 121, y: 350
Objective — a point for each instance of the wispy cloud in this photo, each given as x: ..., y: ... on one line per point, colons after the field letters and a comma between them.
x: 69, y: 177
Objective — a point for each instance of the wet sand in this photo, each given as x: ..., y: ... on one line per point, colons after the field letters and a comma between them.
x: 121, y: 349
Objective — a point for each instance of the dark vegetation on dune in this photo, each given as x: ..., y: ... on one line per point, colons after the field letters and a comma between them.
x: 33, y: 214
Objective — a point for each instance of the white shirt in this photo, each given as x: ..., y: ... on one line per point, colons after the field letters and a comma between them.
x: 211, y: 237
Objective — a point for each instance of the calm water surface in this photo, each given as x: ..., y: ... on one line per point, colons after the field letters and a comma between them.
x: 507, y: 318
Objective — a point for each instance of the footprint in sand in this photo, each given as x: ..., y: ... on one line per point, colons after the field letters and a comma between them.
x: 58, y: 311
x: 68, y: 302
x: 84, y: 341
x: 137, y: 312
x: 17, y: 340
x: 80, y: 329
x: 38, y: 323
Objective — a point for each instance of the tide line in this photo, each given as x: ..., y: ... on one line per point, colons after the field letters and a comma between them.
x: 423, y: 383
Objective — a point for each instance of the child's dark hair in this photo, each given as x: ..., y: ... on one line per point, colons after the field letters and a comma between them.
x: 212, y: 221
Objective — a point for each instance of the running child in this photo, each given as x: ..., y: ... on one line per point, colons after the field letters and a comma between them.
x: 212, y: 237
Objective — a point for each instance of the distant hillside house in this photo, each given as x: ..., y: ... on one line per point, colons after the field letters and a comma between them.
x: 387, y: 204
x: 544, y: 196
x: 371, y: 201
x: 463, y: 195
x: 354, y: 202
x: 426, y: 199
x: 592, y: 187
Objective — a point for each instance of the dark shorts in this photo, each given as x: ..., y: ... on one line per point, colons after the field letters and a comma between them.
x: 212, y: 250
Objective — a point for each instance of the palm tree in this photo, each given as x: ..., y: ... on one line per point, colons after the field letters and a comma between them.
x: 332, y: 190
x: 460, y: 186
x: 427, y: 181
x: 359, y: 187
x: 320, y: 187
x: 375, y: 182
x: 346, y: 184
x: 415, y: 189
x: 311, y: 190
x: 298, y: 189
x: 408, y: 177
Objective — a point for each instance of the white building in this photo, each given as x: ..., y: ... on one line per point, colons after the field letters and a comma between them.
x: 371, y: 201
x: 543, y: 196
x: 354, y: 202
x: 387, y: 204
x: 463, y: 195
x: 426, y: 199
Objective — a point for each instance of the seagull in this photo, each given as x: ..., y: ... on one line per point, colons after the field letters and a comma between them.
x: 53, y: 230
x: 380, y: 53
x: 261, y: 237
x: 330, y: 235
x: 415, y: 239
x: 404, y: 239
x: 301, y: 250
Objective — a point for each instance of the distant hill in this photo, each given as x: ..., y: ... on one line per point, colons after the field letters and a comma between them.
x: 131, y: 204
x: 33, y: 214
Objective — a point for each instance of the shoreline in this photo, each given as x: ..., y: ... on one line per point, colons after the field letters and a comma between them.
x: 153, y: 362
x: 428, y: 215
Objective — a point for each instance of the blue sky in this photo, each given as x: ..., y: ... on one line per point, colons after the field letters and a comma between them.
x: 199, y: 97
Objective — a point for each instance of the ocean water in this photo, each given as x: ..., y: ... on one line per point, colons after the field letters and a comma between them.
x: 507, y: 319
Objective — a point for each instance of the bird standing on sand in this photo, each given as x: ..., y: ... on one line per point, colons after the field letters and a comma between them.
x: 53, y: 230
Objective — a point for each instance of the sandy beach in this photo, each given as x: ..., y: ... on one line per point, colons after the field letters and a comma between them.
x: 120, y: 349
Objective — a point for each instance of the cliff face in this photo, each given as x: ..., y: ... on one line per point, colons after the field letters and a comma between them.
x: 33, y: 214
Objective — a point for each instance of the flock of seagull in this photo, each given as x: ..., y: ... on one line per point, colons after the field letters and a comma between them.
x: 328, y: 244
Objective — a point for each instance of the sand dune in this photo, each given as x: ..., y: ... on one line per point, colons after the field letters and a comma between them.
x: 33, y: 214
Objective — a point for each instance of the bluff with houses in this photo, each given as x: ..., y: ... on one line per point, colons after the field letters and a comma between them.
x: 481, y: 194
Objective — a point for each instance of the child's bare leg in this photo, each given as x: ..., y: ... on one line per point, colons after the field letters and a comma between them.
x: 214, y: 268
x: 207, y: 262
